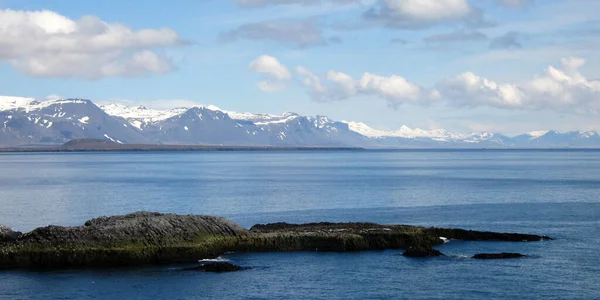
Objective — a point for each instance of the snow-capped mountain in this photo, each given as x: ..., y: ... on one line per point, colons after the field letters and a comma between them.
x: 140, y: 116
x: 58, y: 121
x: 25, y: 121
x: 429, y: 138
x: 553, y: 138
x: 8, y: 103
x: 211, y: 125
x: 404, y: 132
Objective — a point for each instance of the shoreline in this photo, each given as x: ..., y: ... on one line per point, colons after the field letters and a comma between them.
x: 145, y: 148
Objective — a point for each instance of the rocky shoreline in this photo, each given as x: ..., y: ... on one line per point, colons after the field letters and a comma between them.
x: 154, y: 238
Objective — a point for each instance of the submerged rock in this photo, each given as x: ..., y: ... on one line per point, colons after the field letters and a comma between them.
x: 422, y: 252
x: 502, y: 255
x: 217, y: 267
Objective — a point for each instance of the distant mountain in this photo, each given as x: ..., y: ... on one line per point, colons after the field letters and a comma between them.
x: 58, y: 121
x: 26, y: 122
x: 209, y: 125
x: 552, y: 139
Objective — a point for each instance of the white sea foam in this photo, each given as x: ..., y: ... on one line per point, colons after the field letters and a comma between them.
x: 218, y: 259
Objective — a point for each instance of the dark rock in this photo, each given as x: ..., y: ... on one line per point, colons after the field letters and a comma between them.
x: 133, y: 239
x: 217, y: 267
x: 422, y: 252
x: 503, y: 255
x: 154, y: 238
x: 7, y: 234
x: 152, y: 229
x: 472, y: 235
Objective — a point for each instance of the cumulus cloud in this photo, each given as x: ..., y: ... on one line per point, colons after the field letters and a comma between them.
x: 563, y: 88
x: 469, y: 89
x: 296, y: 33
x: 419, y: 13
x: 276, y: 73
x: 47, y: 44
x: 335, y: 85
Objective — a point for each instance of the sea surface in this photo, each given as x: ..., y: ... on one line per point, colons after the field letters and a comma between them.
x: 546, y: 192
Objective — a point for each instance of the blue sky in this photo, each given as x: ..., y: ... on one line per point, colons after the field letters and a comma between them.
x: 506, y: 66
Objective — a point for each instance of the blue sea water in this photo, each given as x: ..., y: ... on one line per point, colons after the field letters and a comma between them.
x: 550, y: 192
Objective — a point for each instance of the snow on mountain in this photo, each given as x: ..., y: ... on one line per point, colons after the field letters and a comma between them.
x: 140, y: 116
x: 58, y: 121
x: 537, y: 134
x: 404, y: 132
x: 588, y: 134
x: 212, y: 125
x: 288, y: 128
x: 257, y: 119
x: 201, y: 125
x: 25, y: 121
x: 10, y: 103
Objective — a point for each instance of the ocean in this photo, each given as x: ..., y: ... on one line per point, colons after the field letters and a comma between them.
x: 545, y: 192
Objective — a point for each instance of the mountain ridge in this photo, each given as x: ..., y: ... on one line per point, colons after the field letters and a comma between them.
x: 26, y: 122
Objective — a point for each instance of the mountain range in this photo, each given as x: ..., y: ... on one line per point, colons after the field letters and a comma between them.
x: 28, y: 122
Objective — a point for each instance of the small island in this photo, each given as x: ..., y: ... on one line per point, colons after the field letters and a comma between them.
x: 153, y: 238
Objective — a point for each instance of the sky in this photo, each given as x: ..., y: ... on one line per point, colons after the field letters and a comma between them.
x: 507, y: 66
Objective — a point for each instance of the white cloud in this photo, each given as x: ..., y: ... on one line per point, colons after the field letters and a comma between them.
x: 311, y: 80
x: 53, y: 97
x: 564, y: 88
x: 559, y: 89
x: 419, y: 13
x: 556, y: 89
x: 345, y: 82
x: 394, y: 88
x: 276, y: 73
x: 469, y: 89
x: 47, y: 44
x: 270, y: 65
x: 339, y: 86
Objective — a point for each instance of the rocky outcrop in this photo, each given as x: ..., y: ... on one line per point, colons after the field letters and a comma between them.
x: 138, y: 238
x: 7, y: 234
x: 154, y: 238
x: 502, y: 255
x: 338, y: 237
x: 471, y: 235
